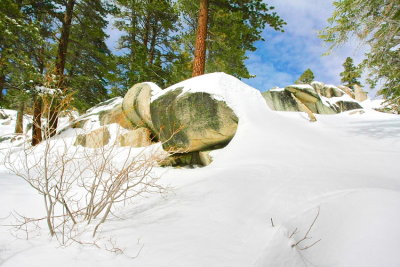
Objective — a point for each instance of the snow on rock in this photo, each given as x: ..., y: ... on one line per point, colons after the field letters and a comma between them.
x: 221, y: 86
x: 277, y: 166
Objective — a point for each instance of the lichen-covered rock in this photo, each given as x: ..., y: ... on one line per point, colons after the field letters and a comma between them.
x: 140, y: 137
x: 317, y: 98
x: 304, y: 92
x: 347, y: 105
x: 192, y: 121
x: 309, y: 97
x: 79, y: 124
x: 3, y: 115
x: 95, y: 139
x: 331, y: 91
x: 359, y: 94
x: 115, y: 115
x: 136, y: 104
x: 347, y: 90
x: 280, y: 100
x: 199, y: 158
x: 318, y: 86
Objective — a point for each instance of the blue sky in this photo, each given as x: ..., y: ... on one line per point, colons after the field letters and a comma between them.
x: 281, y: 59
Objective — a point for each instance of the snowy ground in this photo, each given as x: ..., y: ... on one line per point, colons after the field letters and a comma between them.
x: 278, y: 166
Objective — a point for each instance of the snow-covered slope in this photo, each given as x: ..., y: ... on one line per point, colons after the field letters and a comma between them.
x: 277, y: 166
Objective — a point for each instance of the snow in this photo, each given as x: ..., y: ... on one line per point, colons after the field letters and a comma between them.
x: 302, y: 86
x: 277, y: 166
x: 277, y: 89
x: 43, y: 90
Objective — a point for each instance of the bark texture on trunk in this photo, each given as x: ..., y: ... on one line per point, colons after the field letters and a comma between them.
x: 60, y: 63
x: 37, y: 122
x: 2, y: 85
x: 19, y: 125
x: 201, y: 36
x: 64, y: 39
x: 153, y: 44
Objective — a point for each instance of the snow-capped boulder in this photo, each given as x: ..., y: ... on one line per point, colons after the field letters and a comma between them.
x: 280, y: 100
x: 331, y: 91
x: 317, y: 98
x: 304, y: 92
x: 136, y: 104
x: 192, y: 121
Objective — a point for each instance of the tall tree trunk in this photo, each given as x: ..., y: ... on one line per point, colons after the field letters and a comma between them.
x: 37, y: 105
x: 201, y: 36
x: 37, y: 121
x: 2, y: 84
x: 146, y: 32
x: 19, y: 125
x: 153, y: 44
x: 60, y: 64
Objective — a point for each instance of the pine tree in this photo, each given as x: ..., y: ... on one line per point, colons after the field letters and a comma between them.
x: 89, y: 65
x: 149, y: 27
x: 233, y: 28
x: 306, y: 78
x: 18, y: 72
x: 351, y: 73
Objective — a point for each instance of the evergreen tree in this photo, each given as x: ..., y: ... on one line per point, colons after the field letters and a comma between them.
x: 18, y: 73
x: 306, y: 78
x: 149, y: 28
x: 351, y: 73
x: 90, y: 66
x: 378, y: 24
x: 233, y: 28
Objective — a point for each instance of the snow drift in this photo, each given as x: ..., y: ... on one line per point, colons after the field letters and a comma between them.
x: 278, y: 166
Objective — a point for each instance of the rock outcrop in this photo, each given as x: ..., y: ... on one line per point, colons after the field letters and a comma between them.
x: 94, y: 139
x: 359, y: 94
x: 136, y: 105
x: 317, y: 98
x: 140, y: 137
x: 115, y: 115
x: 191, y: 122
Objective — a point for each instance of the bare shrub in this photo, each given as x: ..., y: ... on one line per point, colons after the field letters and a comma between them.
x: 81, y: 186
x: 299, y: 244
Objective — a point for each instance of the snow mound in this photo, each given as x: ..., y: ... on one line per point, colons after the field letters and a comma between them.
x: 279, y: 166
x: 241, y: 97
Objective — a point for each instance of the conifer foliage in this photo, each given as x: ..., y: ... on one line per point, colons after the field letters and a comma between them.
x: 378, y: 24
x: 351, y: 74
x: 60, y: 46
x: 306, y: 78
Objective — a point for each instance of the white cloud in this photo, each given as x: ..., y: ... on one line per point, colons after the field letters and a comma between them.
x: 284, y: 56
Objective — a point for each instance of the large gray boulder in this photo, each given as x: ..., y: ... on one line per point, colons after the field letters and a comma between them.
x: 190, y: 122
x: 311, y: 99
x: 304, y: 92
x: 331, y: 91
x: 136, y: 105
x: 317, y: 98
x: 280, y: 100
